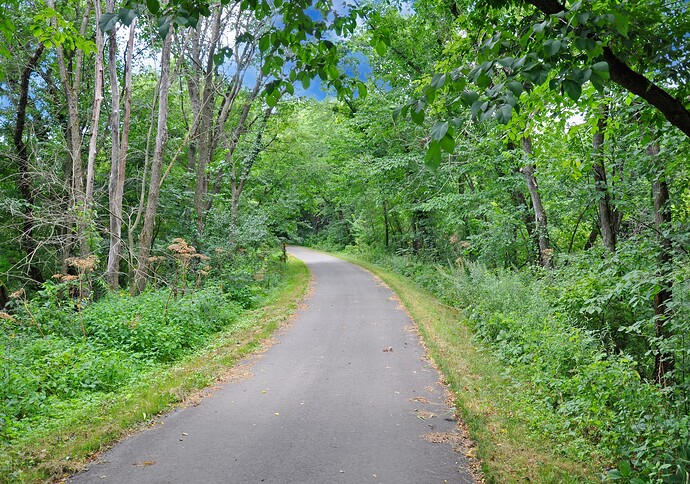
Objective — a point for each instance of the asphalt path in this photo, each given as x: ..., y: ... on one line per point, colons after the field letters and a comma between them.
x: 345, y: 395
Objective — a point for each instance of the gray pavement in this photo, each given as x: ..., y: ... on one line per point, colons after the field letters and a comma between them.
x: 345, y: 396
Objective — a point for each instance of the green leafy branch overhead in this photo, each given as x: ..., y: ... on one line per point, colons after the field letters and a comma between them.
x: 562, y: 47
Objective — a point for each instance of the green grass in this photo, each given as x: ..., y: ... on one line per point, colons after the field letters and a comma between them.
x: 496, y: 410
x: 63, y: 445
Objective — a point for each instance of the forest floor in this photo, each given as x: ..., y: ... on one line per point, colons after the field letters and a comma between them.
x: 345, y: 394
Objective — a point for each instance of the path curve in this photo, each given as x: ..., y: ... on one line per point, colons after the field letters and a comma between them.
x: 345, y: 396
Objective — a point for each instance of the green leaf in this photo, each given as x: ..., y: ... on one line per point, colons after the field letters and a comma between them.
x: 396, y: 112
x: 153, y: 6
x: 621, y: 23
x: 504, y: 113
x: 572, y: 89
x: 108, y: 21
x: 625, y: 468
x: 417, y: 116
x: 551, y: 47
x: 583, y: 17
x: 439, y: 130
x: 539, y: 28
x: 614, y: 475
x: 585, y: 44
x: 380, y: 48
x: 438, y: 81
x: 597, y: 81
x: 264, y: 42
x: 478, y: 107
x: 602, y: 66
x: 469, y: 97
x: 362, y: 89
x: 244, y: 37
x: 127, y: 15
x: 448, y: 143
x: 306, y: 81
x: 487, y: 114
x: 539, y: 74
x: 483, y: 81
x: 433, y: 155
x: 515, y: 87
x: 164, y: 26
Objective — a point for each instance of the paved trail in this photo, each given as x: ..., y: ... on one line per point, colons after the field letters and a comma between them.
x: 326, y: 404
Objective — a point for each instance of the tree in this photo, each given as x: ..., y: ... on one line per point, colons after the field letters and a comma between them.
x: 146, y: 234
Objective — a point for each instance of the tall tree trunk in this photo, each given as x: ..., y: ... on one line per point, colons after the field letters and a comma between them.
x: 607, y: 223
x: 207, y: 143
x: 528, y: 219
x: 545, y: 251
x: 70, y: 77
x: 23, y: 161
x: 663, y: 361
x: 146, y: 235
x: 521, y: 204
x: 96, y: 110
x: 120, y: 142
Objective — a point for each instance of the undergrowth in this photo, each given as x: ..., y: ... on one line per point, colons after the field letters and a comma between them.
x: 592, y: 402
x: 59, y: 359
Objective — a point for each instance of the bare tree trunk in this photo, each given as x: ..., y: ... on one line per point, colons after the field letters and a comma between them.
x: 545, y: 251
x: 96, y: 113
x: 193, y: 79
x: 146, y: 235
x: 663, y: 361
x: 120, y: 143
x: 607, y: 224
x: 133, y: 226
x: 206, y: 131
x: 23, y: 160
x: 70, y: 77
x: 521, y: 204
x: 203, y: 93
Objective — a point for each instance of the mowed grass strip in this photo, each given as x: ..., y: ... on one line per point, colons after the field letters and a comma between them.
x: 489, y: 403
x: 66, y: 445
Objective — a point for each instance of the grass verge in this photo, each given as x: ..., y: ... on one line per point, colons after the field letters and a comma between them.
x: 64, y: 446
x: 491, y: 404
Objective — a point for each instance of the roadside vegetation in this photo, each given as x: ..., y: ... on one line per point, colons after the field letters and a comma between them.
x: 541, y: 398
x: 69, y: 395
x: 515, y: 435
